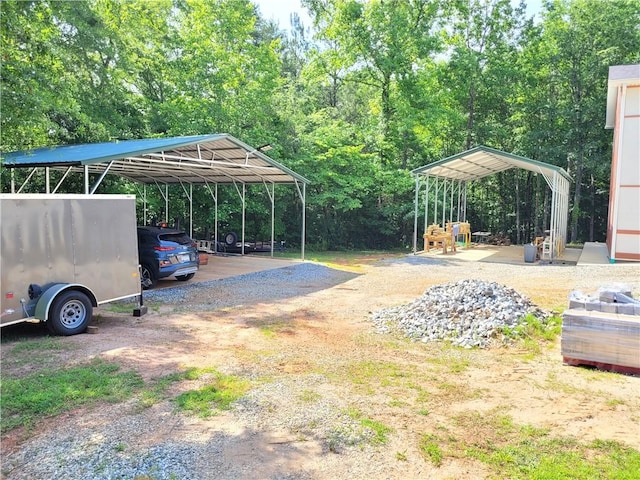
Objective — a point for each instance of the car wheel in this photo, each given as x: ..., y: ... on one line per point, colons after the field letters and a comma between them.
x: 147, y: 277
x: 184, y: 278
x: 230, y: 239
x: 70, y: 313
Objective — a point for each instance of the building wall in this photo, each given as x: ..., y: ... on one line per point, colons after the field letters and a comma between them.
x: 623, y: 235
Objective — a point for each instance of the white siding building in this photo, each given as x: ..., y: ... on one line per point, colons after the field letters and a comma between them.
x: 623, y: 115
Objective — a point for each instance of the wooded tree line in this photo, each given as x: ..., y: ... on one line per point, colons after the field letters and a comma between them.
x: 354, y: 102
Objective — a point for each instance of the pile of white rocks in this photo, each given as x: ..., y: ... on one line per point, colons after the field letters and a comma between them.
x: 468, y: 313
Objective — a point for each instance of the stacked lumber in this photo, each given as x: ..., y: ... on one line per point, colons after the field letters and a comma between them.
x: 603, y: 331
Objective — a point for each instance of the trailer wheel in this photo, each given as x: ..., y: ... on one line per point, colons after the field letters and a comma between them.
x: 230, y: 239
x: 147, y: 277
x: 50, y: 327
x: 184, y: 278
x: 70, y: 313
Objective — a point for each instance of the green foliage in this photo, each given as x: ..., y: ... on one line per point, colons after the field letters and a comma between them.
x: 541, y: 457
x: 525, y: 452
x: 379, y: 430
x: 534, y: 329
x: 377, y: 89
x: 219, y: 393
x: 430, y: 449
x: 29, y: 399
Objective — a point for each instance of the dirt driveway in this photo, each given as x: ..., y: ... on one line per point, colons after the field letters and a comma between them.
x: 317, y: 369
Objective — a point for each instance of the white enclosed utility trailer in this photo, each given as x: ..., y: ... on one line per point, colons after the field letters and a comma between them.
x: 62, y: 255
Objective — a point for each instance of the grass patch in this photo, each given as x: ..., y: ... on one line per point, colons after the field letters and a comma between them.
x: 554, y: 383
x: 272, y: 328
x: 369, y: 372
x: 23, y: 356
x: 120, y: 307
x: 379, y: 430
x: 309, y: 396
x: 29, y: 346
x: 348, y: 260
x: 454, y: 360
x: 26, y: 400
x: 526, y: 452
x: 540, y: 457
x: 156, y: 391
x: 343, y: 257
x: 218, y: 394
x: 533, y: 332
x: 430, y: 449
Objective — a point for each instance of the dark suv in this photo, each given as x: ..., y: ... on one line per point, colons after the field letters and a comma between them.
x: 164, y: 252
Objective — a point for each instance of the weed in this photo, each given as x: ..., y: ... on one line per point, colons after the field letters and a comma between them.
x: 193, y: 373
x: 272, y: 328
x: 41, y: 353
x: 24, y: 345
x: 334, y: 445
x: 25, y: 400
x: 553, y: 383
x: 532, y: 330
x: 219, y: 394
x: 402, y: 456
x: 155, y: 392
x: 429, y: 446
x: 120, y: 307
x: 614, y: 402
x: 527, y: 452
x: 373, y: 374
x: 380, y: 430
x: 309, y: 396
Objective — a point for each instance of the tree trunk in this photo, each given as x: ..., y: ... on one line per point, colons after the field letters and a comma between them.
x: 518, y: 236
x: 471, y: 119
x: 575, y: 213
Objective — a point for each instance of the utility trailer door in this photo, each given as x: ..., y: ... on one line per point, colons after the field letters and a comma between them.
x: 89, y: 240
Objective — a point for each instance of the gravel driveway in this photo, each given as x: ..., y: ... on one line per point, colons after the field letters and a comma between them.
x: 303, y: 336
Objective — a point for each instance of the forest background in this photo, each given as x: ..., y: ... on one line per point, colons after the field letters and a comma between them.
x: 355, y: 101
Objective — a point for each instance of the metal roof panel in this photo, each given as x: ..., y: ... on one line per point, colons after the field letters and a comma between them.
x: 483, y: 161
x: 215, y: 158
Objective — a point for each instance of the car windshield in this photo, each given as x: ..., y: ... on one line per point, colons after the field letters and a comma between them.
x: 180, y: 238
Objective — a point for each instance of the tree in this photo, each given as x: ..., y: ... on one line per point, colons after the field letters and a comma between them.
x: 378, y: 44
x: 586, y: 37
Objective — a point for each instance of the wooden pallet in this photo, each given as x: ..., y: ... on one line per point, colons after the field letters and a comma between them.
x: 610, y: 341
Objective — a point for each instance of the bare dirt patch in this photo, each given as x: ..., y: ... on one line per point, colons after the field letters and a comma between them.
x: 314, y: 359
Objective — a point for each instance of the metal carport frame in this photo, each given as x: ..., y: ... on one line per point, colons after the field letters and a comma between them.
x: 450, y: 175
x: 207, y: 160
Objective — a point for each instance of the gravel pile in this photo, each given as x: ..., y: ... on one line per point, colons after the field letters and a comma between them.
x: 469, y: 313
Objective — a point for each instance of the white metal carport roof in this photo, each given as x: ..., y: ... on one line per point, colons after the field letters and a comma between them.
x: 452, y: 173
x: 207, y: 160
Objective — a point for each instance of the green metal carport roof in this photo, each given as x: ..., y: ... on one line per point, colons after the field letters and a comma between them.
x: 480, y: 162
x: 208, y: 160
x: 215, y: 159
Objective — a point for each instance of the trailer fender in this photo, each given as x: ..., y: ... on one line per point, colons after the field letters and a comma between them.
x: 49, y: 295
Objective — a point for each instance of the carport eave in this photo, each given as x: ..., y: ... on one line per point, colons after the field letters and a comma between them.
x: 487, y: 153
x: 245, y: 164
x: 84, y: 154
